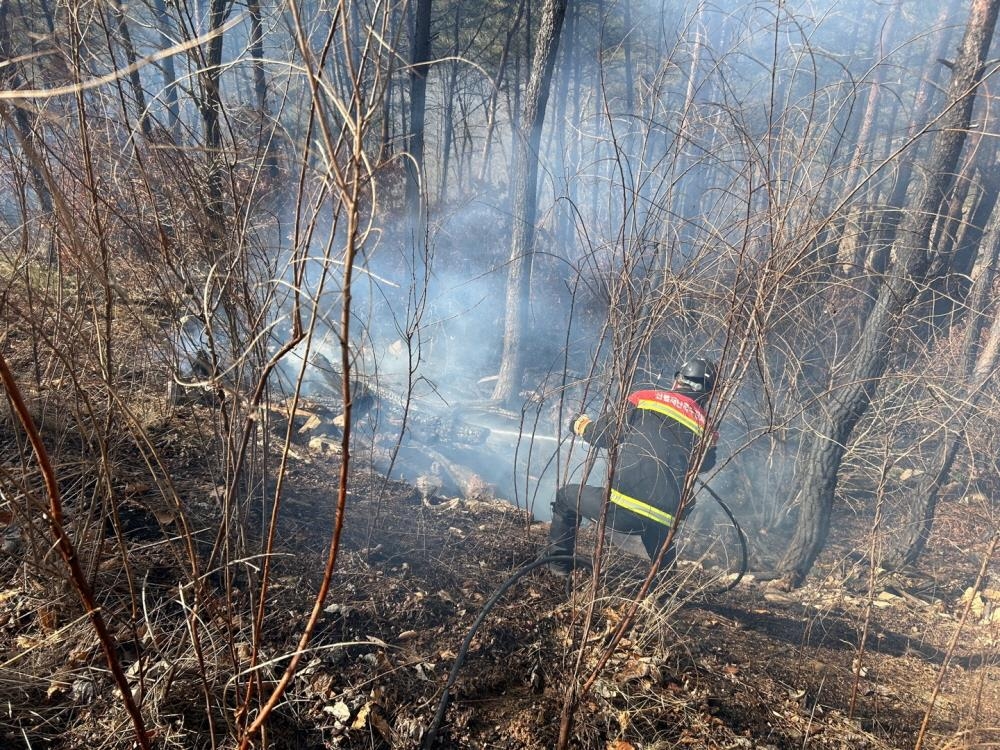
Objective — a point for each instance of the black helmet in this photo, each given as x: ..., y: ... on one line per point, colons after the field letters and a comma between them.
x: 697, y: 376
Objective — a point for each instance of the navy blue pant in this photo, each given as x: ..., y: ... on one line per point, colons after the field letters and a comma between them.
x: 574, y: 502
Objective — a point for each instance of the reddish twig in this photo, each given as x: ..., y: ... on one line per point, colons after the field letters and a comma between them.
x: 68, y: 552
x: 350, y: 188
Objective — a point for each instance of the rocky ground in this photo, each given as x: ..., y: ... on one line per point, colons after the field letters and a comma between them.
x: 753, y: 667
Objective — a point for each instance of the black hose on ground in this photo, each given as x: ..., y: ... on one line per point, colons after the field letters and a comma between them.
x: 432, y: 730
x: 744, y: 550
x: 578, y: 562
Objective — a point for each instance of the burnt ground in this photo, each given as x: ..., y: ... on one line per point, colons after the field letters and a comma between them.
x: 753, y: 667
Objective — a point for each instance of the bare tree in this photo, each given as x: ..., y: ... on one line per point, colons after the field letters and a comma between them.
x: 419, y: 66
x: 525, y: 197
x: 270, y: 163
x: 23, y: 121
x: 817, y: 479
x: 211, y: 111
x: 449, y: 107
x: 978, y: 359
x: 498, y: 78
x: 170, y: 95
x: 135, y: 82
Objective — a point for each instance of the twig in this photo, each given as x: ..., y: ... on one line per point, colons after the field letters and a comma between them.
x: 350, y: 184
x: 873, y: 552
x: 68, y: 552
x: 954, y: 639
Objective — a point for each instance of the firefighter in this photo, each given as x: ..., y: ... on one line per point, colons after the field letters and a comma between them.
x: 659, y: 440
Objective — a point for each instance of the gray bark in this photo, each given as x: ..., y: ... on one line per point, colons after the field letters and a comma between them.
x: 981, y: 360
x: 211, y: 113
x: 130, y: 58
x: 169, y: 71
x: 418, y: 105
x: 525, y: 198
x: 818, y: 478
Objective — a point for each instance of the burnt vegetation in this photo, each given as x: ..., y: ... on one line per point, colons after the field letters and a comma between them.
x: 298, y: 299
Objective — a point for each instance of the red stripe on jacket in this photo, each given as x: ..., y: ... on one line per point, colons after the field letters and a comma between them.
x: 683, y: 404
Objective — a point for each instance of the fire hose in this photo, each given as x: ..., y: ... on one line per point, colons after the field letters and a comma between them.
x: 744, y: 565
x: 432, y: 730
x: 578, y: 561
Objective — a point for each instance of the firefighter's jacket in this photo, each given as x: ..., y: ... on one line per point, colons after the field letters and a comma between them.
x: 661, y: 434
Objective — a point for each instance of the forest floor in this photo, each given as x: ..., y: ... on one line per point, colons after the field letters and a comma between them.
x: 753, y: 667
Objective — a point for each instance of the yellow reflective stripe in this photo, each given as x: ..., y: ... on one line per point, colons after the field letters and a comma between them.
x: 670, y: 411
x: 640, y: 508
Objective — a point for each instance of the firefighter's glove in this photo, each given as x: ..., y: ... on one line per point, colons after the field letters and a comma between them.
x: 579, y: 423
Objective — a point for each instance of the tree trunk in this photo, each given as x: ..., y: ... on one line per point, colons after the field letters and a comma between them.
x: 386, y: 133
x: 525, y: 198
x: 970, y: 240
x: 864, y: 147
x: 563, y: 209
x: 981, y: 362
x: 491, y: 106
x: 135, y: 82
x: 684, y: 171
x: 949, y: 224
x: 818, y: 477
x: 629, y: 67
x: 265, y: 140
x: 596, y: 183
x: 892, y: 215
x: 419, y: 59
x: 24, y: 121
x: 448, y: 125
x: 949, y: 288
x: 169, y: 72
x: 211, y: 111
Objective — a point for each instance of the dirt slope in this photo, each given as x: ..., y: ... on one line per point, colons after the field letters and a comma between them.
x: 748, y: 668
x: 752, y: 667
